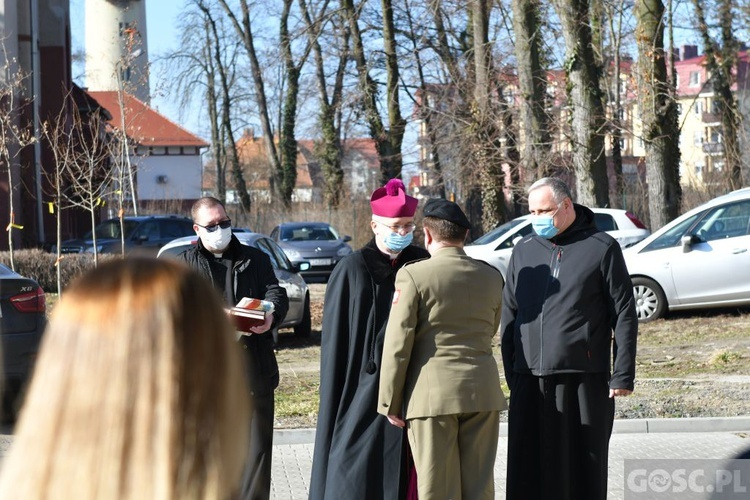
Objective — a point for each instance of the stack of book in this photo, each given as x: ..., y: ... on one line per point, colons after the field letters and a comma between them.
x: 249, y: 313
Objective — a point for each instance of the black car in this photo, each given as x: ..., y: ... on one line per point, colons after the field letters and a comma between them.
x: 143, y: 235
x: 22, y: 322
x: 315, y: 242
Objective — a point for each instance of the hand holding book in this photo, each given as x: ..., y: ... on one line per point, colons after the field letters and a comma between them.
x: 250, y: 313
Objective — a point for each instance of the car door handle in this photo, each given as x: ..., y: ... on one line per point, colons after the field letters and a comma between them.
x: 739, y: 250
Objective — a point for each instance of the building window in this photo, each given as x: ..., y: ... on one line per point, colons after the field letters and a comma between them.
x: 698, y: 137
x: 699, y: 169
x: 719, y: 166
x: 698, y: 107
x: 715, y: 134
x: 695, y: 78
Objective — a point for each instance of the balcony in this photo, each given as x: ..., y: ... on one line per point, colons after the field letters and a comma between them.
x: 710, y: 118
x: 713, y: 148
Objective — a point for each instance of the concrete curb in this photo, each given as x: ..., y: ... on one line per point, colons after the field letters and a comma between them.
x: 621, y: 426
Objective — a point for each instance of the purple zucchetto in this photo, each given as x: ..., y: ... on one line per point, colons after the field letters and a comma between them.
x: 392, y: 201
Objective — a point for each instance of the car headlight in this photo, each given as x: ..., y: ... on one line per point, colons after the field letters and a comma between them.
x: 345, y: 250
x: 293, y: 254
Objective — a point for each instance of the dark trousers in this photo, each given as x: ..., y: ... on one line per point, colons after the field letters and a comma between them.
x: 256, y: 480
x: 558, y: 437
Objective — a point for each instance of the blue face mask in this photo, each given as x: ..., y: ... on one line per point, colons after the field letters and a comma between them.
x: 397, y: 242
x: 544, y: 226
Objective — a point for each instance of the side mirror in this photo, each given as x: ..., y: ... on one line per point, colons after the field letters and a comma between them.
x: 346, y: 238
x: 301, y: 266
x: 687, y: 243
x: 141, y: 238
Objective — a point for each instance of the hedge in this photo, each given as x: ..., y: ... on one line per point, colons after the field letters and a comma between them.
x: 40, y: 265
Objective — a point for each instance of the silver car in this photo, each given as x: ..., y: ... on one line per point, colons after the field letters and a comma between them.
x: 315, y: 242
x: 298, y: 316
x: 699, y: 260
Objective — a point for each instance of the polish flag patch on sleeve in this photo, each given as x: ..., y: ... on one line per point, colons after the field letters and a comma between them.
x: 395, y: 295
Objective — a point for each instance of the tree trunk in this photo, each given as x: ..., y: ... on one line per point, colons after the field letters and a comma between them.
x: 658, y: 116
x: 721, y: 61
x: 532, y: 82
x: 486, y: 148
x: 244, y: 29
x: 587, y: 110
x: 387, y: 142
x: 328, y: 148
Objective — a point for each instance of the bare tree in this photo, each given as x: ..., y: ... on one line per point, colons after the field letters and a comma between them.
x: 388, y: 140
x: 328, y: 147
x: 658, y: 115
x: 721, y: 63
x: 282, y: 160
x: 88, y: 171
x: 486, y: 148
x: 14, y: 136
x: 587, y: 119
x: 532, y: 84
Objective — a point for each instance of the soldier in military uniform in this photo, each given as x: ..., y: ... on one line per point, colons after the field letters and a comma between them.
x: 439, y: 377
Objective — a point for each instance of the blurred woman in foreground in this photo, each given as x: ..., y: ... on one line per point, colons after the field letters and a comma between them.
x: 138, y: 392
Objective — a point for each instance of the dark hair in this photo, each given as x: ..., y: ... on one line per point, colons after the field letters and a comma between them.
x: 205, y: 202
x: 443, y: 230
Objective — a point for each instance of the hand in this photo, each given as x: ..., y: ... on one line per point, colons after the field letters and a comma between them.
x: 264, y: 327
x: 395, y: 420
x: 619, y: 392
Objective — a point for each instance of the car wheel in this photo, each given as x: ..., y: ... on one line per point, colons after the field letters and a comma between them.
x: 650, y: 303
x: 304, y: 328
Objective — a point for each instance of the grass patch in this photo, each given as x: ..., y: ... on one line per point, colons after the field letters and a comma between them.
x: 297, y: 395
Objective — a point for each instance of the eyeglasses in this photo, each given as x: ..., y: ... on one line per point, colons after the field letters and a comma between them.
x: 407, y: 228
x: 225, y: 224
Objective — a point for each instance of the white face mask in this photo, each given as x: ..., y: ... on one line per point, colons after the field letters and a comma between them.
x: 216, y: 241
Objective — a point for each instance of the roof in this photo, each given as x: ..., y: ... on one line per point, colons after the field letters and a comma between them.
x: 143, y: 124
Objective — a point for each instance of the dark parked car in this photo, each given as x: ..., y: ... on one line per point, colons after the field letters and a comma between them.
x: 298, y: 316
x: 143, y: 235
x: 315, y: 242
x: 22, y: 322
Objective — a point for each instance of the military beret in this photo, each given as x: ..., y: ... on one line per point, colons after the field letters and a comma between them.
x: 446, y: 210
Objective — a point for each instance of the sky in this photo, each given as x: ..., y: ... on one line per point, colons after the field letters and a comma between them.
x: 161, y: 20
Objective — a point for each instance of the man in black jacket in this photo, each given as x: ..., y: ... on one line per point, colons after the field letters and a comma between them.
x: 238, y: 271
x: 567, y: 290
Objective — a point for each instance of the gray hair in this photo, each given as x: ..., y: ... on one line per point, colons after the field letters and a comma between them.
x: 560, y: 190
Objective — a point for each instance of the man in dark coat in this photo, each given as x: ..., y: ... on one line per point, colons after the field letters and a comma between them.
x: 239, y: 271
x: 358, y: 454
x: 567, y: 291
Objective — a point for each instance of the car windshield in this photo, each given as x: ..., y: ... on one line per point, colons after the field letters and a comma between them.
x: 111, y: 229
x: 308, y: 233
x: 497, y: 232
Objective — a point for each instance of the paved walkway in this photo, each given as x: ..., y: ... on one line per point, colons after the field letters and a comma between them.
x: 710, y: 438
